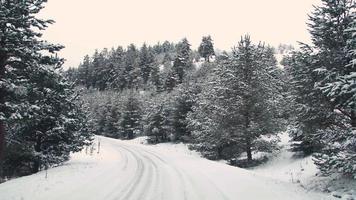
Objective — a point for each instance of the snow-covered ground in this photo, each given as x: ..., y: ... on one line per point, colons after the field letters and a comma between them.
x: 131, y: 170
x: 286, y: 168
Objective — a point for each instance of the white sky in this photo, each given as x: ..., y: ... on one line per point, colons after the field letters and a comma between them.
x: 85, y: 25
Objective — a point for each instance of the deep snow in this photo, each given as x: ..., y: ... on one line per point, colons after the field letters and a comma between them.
x: 285, y: 167
x: 130, y: 170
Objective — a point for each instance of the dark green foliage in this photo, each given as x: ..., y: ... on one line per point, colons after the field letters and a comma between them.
x: 146, y: 63
x: 184, y: 100
x: 237, y: 102
x: 120, y: 69
x: 38, y: 107
x: 322, y: 76
x: 206, y: 48
x: 182, y: 62
x: 310, y: 115
x: 155, y: 125
x: 131, y: 119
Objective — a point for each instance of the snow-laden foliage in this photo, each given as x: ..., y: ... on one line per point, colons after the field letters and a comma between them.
x: 238, y: 102
x: 39, y: 109
x: 206, y: 48
x: 323, y: 82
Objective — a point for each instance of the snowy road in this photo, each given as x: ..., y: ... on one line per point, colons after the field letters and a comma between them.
x: 124, y: 171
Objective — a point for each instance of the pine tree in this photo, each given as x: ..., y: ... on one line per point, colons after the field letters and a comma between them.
x: 184, y: 99
x: 171, y: 80
x: 183, y: 60
x: 112, y: 120
x: 84, y: 74
x: 131, y: 120
x: 324, y: 116
x: 54, y: 125
x: 21, y: 49
x: 237, y: 104
x: 131, y: 71
x: 146, y: 62
x: 155, y: 123
x: 156, y: 78
x: 309, y: 115
x: 206, y: 48
x: 38, y: 106
x: 335, y: 49
x: 117, y: 79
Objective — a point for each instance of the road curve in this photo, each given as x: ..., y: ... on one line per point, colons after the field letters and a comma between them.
x: 126, y: 171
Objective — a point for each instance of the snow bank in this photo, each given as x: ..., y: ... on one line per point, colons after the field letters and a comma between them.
x: 285, y: 167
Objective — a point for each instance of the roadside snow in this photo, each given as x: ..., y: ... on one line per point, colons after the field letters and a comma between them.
x: 286, y: 168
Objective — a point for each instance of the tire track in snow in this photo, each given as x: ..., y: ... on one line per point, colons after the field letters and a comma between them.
x: 146, y: 181
x: 143, y: 182
x: 154, y: 184
x: 178, y: 172
x: 130, y: 187
x: 185, y: 178
x: 116, y: 191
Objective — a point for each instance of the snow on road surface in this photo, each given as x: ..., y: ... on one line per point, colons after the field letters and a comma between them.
x: 124, y: 170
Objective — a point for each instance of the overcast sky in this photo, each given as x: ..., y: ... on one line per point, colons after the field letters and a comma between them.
x: 85, y: 25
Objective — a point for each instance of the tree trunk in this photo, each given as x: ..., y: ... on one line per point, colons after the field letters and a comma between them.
x: 37, y: 161
x: 248, y: 151
x: 247, y: 137
x: 36, y: 165
x: 353, y: 118
x: 130, y: 134
x: 2, y: 148
x: 220, y: 151
x: 3, y: 59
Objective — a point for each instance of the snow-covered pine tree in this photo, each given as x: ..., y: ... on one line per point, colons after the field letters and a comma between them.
x: 37, y: 104
x: 54, y: 125
x: 324, y: 118
x: 112, y: 119
x: 206, y: 48
x: 131, y: 67
x: 183, y: 60
x: 338, y: 83
x: 155, y: 120
x: 20, y: 49
x: 84, y: 72
x: 131, y: 117
x: 237, y: 102
x: 183, y: 101
x: 115, y: 76
x: 171, y: 80
x: 146, y: 61
x: 156, y: 78
x: 308, y: 115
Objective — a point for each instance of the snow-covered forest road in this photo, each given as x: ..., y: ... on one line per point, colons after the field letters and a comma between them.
x: 124, y: 170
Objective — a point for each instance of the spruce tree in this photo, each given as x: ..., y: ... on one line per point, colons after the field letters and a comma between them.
x: 146, y: 62
x: 21, y: 50
x: 131, y: 72
x: 326, y: 115
x: 183, y: 60
x: 237, y: 103
x: 206, y: 48
x: 131, y: 117
x: 38, y: 106
x: 308, y: 115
